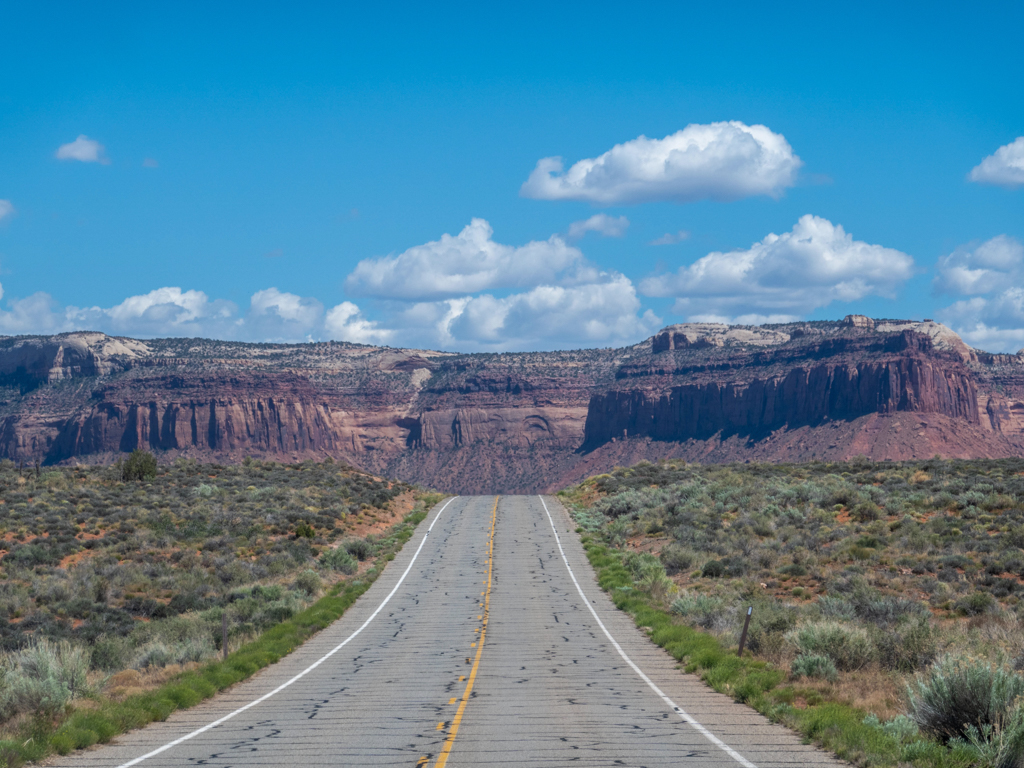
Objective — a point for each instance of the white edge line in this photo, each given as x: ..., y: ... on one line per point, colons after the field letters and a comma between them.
x: 304, y: 672
x: 678, y: 710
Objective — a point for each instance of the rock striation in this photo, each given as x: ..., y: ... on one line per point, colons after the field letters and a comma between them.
x: 837, y: 378
x: 887, y: 389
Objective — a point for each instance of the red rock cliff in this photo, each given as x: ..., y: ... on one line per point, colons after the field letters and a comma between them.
x: 516, y: 422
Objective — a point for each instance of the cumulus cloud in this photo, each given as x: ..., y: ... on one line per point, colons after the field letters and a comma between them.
x: 278, y: 316
x: 587, y: 314
x: 346, y: 322
x: 670, y: 238
x: 606, y: 311
x: 273, y: 316
x: 976, y: 269
x: 37, y: 313
x: 602, y: 223
x: 718, y: 161
x: 462, y: 264
x: 990, y: 274
x: 6, y: 209
x: 167, y: 311
x: 994, y: 323
x: 786, y: 275
x: 1004, y: 167
x: 463, y: 292
x: 84, y: 150
x: 468, y: 292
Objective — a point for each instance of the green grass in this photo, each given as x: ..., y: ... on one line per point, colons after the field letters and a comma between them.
x: 102, y: 719
x: 835, y: 726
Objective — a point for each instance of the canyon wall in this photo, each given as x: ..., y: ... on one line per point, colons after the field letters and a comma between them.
x: 805, y: 395
x: 517, y: 422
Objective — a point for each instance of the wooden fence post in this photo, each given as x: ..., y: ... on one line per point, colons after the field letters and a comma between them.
x: 743, y: 637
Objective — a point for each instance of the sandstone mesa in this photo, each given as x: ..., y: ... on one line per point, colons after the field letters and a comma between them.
x: 518, y: 422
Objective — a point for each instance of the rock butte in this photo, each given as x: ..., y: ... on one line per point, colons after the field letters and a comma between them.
x: 518, y: 422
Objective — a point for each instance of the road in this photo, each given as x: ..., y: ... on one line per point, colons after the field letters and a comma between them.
x: 475, y: 647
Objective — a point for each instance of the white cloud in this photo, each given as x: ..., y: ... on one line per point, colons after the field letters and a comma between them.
x: 671, y: 239
x: 346, y: 323
x: 149, y: 162
x: 720, y: 161
x: 165, y: 311
x: 990, y: 274
x: 37, y: 313
x: 1004, y: 168
x: 84, y: 150
x: 278, y: 316
x: 602, y: 223
x: 463, y: 264
x: 170, y: 306
x: 603, y: 312
x: 995, y: 323
x: 784, y: 275
x: 287, y: 306
x: 606, y: 311
x: 6, y: 209
x: 452, y: 293
x: 273, y: 316
x: 975, y: 269
x: 447, y: 293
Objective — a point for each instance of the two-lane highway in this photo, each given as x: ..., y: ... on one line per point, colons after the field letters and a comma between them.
x: 485, y: 643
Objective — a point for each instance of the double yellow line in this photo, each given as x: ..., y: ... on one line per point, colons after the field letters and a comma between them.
x: 442, y: 759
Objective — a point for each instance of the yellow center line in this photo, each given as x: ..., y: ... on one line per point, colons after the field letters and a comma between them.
x: 442, y: 759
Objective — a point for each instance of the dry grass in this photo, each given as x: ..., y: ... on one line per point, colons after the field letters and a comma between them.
x: 871, y: 689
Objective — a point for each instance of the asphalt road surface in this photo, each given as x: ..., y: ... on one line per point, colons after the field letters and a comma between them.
x: 478, y: 646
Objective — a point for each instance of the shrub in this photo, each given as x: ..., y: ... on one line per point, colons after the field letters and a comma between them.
x: 305, y: 531
x: 850, y: 648
x: 901, y: 728
x: 189, y: 601
x: 195, y: 649
x: 768, y: 624
x: 276, y: 612
x: 360, y: 549
x: 886, y: 610
x: 959, y: 693
x: 865, y: 512
x: 676, y: 558
x: 43, y: 678
x: 153, y: 654
x: 641, y: 565
x: 713, y: 569
x: 31, y: 555
x: 815, y: 665
x: 309, y: 582
x: 1002, y: 745
x: 339, y: 560
x: 836, y: 608
x: 111, y: 654
x: 702, y: 610
x: 648, y: 573
x: 975, y: 604
x: 907, y: 647
x: 140, y: 465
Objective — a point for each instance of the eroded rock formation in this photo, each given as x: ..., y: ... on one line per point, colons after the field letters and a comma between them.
x: 518, y: 422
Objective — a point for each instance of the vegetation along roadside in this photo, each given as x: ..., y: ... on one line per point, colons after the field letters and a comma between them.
x: 886, y: 620
x: 116, y: 582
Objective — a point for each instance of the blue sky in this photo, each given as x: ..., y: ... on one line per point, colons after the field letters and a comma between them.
x: 269, y: 172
